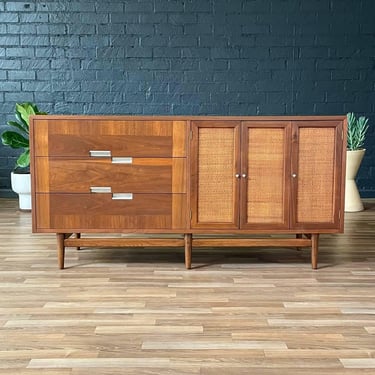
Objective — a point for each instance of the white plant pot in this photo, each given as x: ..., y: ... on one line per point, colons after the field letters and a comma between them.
x: 21, y: 184
x: 353, y: 201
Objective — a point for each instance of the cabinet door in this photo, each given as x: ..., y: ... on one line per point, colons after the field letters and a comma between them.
x: 317, y: 148
x: 214, y: 185
x: 264, y: 169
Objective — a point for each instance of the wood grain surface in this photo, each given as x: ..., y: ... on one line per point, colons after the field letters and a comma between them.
x: 139, y: 311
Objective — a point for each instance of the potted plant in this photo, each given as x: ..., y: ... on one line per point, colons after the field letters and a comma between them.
x: 19, y: 139
x: 357, y: 129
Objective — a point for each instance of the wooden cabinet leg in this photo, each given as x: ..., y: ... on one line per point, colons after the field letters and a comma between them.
x: 78, y: 236
x: 60, y: 249
x: 299, y: 236
x: 314, y: 250
x: 188, y: 246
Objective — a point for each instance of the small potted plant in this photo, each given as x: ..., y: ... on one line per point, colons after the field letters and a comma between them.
x: 356, y: 134
x: 19, y: 139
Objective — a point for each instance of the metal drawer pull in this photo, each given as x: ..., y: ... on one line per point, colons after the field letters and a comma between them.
x: 127, y: 196
x: 122, y: 160
x: 99, y: 153
x: 100, y: 189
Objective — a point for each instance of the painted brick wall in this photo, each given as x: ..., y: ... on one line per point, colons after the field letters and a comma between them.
x: 225, y: 57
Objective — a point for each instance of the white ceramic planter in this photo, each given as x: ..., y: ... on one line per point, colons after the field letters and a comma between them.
x: 21, y: 184
x: 353, y: 201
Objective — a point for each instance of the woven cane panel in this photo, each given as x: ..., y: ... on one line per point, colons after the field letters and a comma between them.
x: 215, y: 175
x: 265, y: 189
x: 315, y: 197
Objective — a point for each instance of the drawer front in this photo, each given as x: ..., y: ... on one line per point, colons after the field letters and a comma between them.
x: 80, y: 212
x: 157, y: 175
x: 119, y: 138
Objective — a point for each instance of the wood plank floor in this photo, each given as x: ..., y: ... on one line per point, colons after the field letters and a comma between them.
x: 138, y: 311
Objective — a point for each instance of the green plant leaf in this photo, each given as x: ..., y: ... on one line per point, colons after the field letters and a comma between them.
x: 19, y: 126
x: 24, y: 159
x: 25, y: 110
x: 357, y: 129
x: 14, y: 139
x: 36, y: 109
x: 20, y: 119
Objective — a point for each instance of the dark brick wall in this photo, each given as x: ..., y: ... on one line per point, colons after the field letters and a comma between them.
x: 225, y: 57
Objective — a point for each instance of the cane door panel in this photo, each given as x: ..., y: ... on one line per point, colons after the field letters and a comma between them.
x: 215, y: 187
x: 265, y: 175
x: 316, y: 174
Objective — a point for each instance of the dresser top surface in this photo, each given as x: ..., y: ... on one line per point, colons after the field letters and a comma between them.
x: 187, y: 117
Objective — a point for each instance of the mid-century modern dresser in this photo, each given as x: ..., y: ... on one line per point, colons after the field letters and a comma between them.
x: 206, y: 180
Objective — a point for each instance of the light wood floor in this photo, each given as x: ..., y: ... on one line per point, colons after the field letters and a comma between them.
x: 138, y: 311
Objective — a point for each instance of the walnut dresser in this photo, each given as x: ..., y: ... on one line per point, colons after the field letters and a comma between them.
x: 205, y: 180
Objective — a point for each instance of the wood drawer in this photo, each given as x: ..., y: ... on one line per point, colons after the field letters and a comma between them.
x: 85, y: 212
x: 125, y: 138
x: 153, y: 175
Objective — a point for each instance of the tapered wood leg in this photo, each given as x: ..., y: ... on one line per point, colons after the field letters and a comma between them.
x: 188, y: 246
x: 299, y: 236
x: 60, y: 249
x: 314, y: 250
x: 78, y: 235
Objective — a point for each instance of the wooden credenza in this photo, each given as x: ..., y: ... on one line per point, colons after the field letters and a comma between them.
x: 192, y: 176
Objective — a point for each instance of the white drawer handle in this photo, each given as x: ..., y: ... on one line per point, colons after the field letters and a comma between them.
x: 122, y: 160
x: 100, y: 153
x: 127, y: 196
x: 100, y: 189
